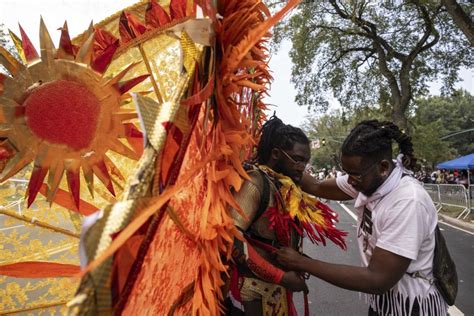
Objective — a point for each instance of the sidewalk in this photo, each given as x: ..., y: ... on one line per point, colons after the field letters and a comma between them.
x: 469, y: 226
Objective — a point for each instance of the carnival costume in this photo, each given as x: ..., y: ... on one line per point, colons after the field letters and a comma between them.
x: 289, y: 215
x: 161, y: 169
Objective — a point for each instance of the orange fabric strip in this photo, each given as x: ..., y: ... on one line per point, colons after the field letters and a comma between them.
x: 64, y: 199
x: 154, y: 206
x: 202, y: 95
x: 37, y: 269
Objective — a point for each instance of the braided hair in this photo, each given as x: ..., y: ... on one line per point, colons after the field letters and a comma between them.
x: 276, y: 134
x: 372, y: 139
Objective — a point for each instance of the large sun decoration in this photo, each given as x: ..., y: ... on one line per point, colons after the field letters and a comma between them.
x: 58, y: 110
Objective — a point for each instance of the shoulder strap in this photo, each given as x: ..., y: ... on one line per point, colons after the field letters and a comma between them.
x: 265, y: 198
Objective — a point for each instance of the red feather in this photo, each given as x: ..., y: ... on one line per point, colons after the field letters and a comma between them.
x: 37, y: 177
x: 155, y: 15
x: 130, y: 27
x: 73, y: 182
x: 178, y: 9
x: 105, y: 46
x: 30, y: 52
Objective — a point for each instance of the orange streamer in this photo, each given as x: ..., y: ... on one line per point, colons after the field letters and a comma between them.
x: 38, y: 269
x: 65, y: 199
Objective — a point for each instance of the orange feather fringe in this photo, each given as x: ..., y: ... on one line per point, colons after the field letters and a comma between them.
x: 185, y: 266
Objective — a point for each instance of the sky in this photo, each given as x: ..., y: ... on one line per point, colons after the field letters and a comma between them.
x: 79, y: 14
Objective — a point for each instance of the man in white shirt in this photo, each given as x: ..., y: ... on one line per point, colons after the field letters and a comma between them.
x: 396, y: 223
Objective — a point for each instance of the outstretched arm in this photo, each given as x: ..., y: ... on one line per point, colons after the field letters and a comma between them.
x: 326, y: 189
x: 403, y: 229
x: 384, y: 271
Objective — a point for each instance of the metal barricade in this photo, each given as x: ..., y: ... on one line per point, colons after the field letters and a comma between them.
x: 455, y: 195
x: 433, y: 191
x: 471, y: 199
x: 471, y: 194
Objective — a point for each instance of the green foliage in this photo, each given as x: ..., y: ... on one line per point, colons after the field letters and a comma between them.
x: 3, y: 36
x: 433, y: 119
x: 428, y: 146
x: 6, y: 42
x: 372, y: 53
x: 334, y: 127
x: 439, y: 116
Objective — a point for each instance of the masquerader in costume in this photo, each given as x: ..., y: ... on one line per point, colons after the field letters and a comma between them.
x: 275, y: 213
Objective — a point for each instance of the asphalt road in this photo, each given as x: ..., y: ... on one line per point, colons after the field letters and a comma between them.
x: 461, y: 248
x: 326, y: 299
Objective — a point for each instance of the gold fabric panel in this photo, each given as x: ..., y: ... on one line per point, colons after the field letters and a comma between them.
x: 164, y: 55
x: 273, y: 297
x: 50, y: 233
x: 248, y: 198
x: 45, y: 236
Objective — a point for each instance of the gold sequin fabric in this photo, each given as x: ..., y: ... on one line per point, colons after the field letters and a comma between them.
x: 273, y: 296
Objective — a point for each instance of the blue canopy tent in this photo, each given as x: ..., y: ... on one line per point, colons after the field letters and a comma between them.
x: 462, y: 163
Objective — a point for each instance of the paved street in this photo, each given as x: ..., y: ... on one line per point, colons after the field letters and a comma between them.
x: 326, y: 299
x: 461, y: 247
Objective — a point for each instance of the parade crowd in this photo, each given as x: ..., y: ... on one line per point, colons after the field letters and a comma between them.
x: 444, y: 176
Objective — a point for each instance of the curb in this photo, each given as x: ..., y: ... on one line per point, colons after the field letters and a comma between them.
x: 456, y: 222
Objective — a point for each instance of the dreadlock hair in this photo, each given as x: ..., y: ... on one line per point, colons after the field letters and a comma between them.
x: 276, y: 134
x: 372, y: 139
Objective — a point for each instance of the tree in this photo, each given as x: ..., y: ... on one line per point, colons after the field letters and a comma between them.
x: 460, y: 18
x: 334, y: 127
x: 3, y: 36
x: 6, y: 43
x: 369, y: 53
x: 433, y: 119
x: 440, y: 116
x: 429, y: 148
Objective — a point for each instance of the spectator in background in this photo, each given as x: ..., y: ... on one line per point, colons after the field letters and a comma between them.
x: 434, y: 176
x: 322, y: 174
x: 310, y: 170
x: 330, y: 175
x: 450, y: 178
x: 441, y: 176
x: 463, y: 179
x: 427, y: 178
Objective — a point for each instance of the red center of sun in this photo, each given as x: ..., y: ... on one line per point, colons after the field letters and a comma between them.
x: 63, y: 112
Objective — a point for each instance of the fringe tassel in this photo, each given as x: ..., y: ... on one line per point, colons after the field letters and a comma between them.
x: 395, y: 303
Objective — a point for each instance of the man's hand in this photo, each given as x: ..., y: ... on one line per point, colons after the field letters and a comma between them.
x: 293, y: 282
x: 289, y: 258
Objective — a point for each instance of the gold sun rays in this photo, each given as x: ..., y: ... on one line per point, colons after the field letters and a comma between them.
x: 58, y: 111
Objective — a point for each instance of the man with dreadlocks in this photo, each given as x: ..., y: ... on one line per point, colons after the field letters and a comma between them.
x: 396, y: 218
x: 274, y: 212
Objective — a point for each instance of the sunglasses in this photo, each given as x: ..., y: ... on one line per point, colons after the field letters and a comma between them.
x: 300, y: 164
x: 360, y: 176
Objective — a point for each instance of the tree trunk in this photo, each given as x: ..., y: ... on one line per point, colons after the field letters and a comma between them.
x: 398, y: 114
x: 400, y: 96
x: 399, y: 101
x: 460, y: 18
